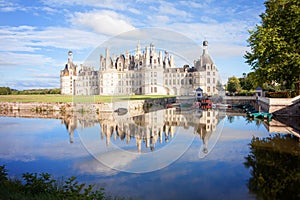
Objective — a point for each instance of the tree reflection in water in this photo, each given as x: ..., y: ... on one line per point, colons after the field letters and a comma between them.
x: 275, y: 163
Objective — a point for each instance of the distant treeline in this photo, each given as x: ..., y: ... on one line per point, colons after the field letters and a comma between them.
x: 8, y: 91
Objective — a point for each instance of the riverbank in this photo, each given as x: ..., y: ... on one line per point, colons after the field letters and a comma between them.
x: 289, y: 107
x: 87, y: 105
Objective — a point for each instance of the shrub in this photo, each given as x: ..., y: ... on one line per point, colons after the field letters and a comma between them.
x: 278, y: 94
x: 43, y: 186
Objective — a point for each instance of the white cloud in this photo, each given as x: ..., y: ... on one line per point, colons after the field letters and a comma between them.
x: 6, y: 6
x: 158, y: 20
x: 232, y: 32
x: 192, y: 4
x: 116, y: 4
x: 134, y: 11
x: 24, y: 59
x: 29, y: 39
x: 46, y: 76
x: 104, y: 21
x: 166, y: 9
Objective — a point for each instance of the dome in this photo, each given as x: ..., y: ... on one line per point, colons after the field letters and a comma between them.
x: 206, y: 59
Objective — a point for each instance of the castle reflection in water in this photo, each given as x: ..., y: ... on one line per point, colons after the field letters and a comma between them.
x: 147, y: 130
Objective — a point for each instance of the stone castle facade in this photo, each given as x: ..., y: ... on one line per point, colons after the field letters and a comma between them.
x: 148, y: 73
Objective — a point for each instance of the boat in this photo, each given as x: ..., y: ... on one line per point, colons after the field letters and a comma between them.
x: 121, y: 111
x: 222, y: 106
x: 261, y: 115
x: 173, y: 105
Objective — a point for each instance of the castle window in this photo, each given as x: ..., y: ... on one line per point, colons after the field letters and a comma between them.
x: 208, y: 73
x: 208, y: 80
x: 208, y: 89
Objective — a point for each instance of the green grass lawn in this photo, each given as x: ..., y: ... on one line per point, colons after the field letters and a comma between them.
x: 67, y: 98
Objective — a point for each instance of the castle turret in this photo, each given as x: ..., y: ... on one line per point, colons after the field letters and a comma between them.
x: 171, y: 61
x: 147, y: 58
x: 166, y: 60
x: 205, y: 58
x: 160, y: 58
x: 138, y: 49
x: 107, y: 59
x: 70, y: 57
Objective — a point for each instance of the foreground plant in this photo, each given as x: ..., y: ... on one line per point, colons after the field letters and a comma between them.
x: 43, y: 186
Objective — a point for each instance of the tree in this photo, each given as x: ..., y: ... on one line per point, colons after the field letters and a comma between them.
x: 274, y: 54
x: 233, y: 84
x: 5, y: 90
x: 246, y: 82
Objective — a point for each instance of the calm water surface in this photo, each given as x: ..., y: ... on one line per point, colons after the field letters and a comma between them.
x: 209, y: 155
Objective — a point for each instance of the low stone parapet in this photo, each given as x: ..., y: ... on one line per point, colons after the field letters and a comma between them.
x: 280, y: 106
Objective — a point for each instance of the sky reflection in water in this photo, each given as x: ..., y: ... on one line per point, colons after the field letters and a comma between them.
x: 45, y: 145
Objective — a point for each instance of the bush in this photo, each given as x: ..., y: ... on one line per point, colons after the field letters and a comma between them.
x: 278, y: 94
x: 43, y: 186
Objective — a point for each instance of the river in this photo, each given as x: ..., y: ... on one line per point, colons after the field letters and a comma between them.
x: 164, y: 154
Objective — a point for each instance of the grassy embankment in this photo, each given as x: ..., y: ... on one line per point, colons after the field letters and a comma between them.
x: 68, y: 98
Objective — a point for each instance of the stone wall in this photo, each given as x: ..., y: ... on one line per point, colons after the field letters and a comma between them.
x: 134, y: 106
x: 238, y: 99
x: 281, y: 106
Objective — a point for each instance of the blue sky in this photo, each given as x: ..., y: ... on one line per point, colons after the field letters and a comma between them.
x: 35, y: 36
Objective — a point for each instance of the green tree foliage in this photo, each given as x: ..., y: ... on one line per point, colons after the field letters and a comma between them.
x: 233, y: 85
x: 246, y: 82
x: 43, y: 186
x: 275, y: 167
x: 5, y: 90
x: 275, y: 44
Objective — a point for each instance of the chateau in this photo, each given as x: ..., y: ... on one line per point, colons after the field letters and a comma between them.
x: 148, y: 72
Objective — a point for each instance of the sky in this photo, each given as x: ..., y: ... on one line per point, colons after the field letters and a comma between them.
x: 36, y: 35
